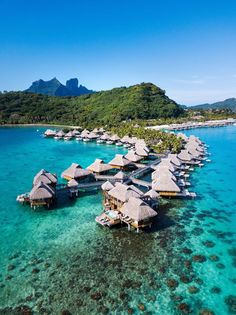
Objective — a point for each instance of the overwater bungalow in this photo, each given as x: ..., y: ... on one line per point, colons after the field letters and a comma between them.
x: 125, y: 139
x: 99, y: 167
x: 45, y: 177
x: 84, y: 133
x: 118, y: 195
x: 165, y: 164
x: 137, y: 213
x: 187, y: 158
x: 75, y: 132
x: 103, y: 138
x: 175, y: 160
x: 59, y: 135
x: 194, y: 145
x: 49, y: 133
x: 133, y: 156
x: 120, y: 162
x: 75, y: 171
x: 163, y: 172
x: 115, y: 138
x: 166, y: 186
x: 92, y: 136
x: 195, y: 153
x: 41, y: 195
x: 69, y: 135
x: 95, y: 130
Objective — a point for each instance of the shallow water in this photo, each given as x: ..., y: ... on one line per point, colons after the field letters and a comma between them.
x: 62, y: 260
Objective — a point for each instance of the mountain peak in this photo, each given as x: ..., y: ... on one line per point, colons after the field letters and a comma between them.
x: 54, y: 87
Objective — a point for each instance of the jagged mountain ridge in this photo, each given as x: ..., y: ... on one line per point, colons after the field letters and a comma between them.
x: 54, y: 87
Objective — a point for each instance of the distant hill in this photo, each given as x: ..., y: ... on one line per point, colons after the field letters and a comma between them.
x: 56, y: 88
x: 141, y: 101
x: 229, y: 103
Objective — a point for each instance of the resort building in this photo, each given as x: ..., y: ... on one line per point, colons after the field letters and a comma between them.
x: 187, y: 158
x: 45, y: 177
x: 119, y: 194
x: 49, y: 133
x: 137, y: 213
x: 133, y: 156
x: 166, y: 186
x: 99, y: 167
x: 119, y: 162
x: 75, y: 171
x: 41, y: 195
x: 60, y: 134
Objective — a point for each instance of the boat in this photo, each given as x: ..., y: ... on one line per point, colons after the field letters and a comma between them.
x: 119, y: 144
x: 100, y: 141
x: 109, y: 142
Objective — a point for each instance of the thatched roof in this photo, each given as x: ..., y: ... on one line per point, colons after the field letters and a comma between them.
x: 69, y: 134
x: 152, y: 194
x: 45, y: 177
x: 123, y: 192
x: 95, y: 130
x: 92, y: 135
x: 163, y: 166
x: 84, y: 133
x: 132, y: 140
x: 133, y: 157
x: 167, y: 162
x: 125, y: 139
x: 98, y: 166
x: 50, y: 132
x: 163, y: 172
x: 72, y: 183
x: 75, y: 171
x: 141, y: 142
x: 174, y: 159
x: 119, y: 160
x: 105, y: 136
x: 194, y: 145
x: 165, y: 184
x: 60, y: 133
x: 137, y: 209
x: 41, y: 191
x: 114, y: 138
x: 140, y: 150
x: 107, y: 186
x: 195, y: 153
x: 120, y: 175
x: 194, y: 138
x: 184, y: 155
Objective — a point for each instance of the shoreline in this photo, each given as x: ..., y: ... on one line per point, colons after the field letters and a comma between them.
x: 39, y: 125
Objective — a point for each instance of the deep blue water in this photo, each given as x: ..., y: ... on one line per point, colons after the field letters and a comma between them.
x: 61, y: 259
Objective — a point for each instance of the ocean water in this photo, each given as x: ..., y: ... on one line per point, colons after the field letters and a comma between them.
x: 58, y: 260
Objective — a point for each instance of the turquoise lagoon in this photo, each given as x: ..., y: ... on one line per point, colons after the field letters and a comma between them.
x: 61, y: 259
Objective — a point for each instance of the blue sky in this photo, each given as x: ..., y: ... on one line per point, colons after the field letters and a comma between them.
x: 186, y: 47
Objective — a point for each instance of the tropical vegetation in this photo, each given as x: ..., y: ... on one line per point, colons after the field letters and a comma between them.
x: 105, y: 108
